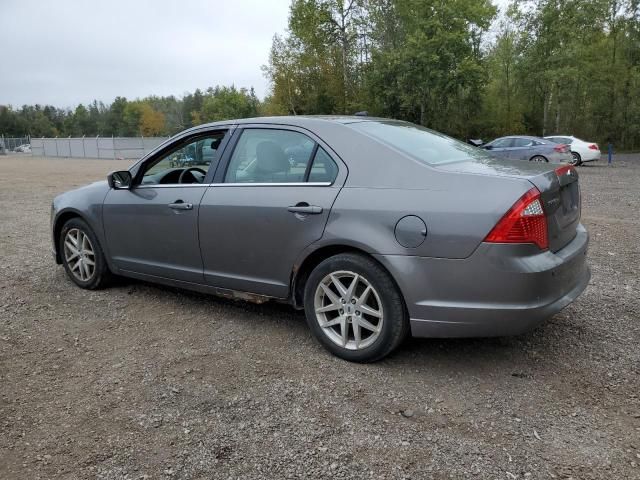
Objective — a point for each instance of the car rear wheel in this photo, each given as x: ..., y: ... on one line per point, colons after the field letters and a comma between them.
x: 538, y: 158
x: 354, y: 308
x: 576, y: 159
x: 82, y: 255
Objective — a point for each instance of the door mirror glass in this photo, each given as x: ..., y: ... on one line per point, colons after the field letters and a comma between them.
x: 119, y: 180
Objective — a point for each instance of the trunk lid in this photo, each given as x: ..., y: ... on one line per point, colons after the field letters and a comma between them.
x: 559, y: 191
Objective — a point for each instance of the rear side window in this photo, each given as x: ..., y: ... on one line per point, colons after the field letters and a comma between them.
x: 270, y: 156
x: 323, y: 169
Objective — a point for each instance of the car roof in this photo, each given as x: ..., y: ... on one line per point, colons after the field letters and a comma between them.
x: 529, y: 137
x: 297, y: 120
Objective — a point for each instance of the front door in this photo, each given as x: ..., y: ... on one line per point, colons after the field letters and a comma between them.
x: 152, y: 228
x: 272, y: 202
x: 501, y: 147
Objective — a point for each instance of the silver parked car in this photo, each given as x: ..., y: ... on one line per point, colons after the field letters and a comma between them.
x: 384, y: 228
x: 533, y: 149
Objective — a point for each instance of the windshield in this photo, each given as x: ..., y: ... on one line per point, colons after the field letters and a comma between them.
x: 419, y: 142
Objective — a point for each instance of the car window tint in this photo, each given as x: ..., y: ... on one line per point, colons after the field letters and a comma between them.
x: 323, y: 168
x: 421, y: 143
x: 269, y: 156
x: 502, y: 143
x: 524, y: 142
x: 200, y: 154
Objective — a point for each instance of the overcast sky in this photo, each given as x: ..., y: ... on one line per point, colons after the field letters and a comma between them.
x: 67, y: 52
x: 70, y: 51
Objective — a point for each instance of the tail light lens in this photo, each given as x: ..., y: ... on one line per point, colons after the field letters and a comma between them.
x: 594, y: 146
x: 525, y: 222
x: 561, y: 148
x: 564, y: 170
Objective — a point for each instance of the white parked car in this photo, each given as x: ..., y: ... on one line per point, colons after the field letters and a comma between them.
x: 24, y: 148
x: 581, y: 151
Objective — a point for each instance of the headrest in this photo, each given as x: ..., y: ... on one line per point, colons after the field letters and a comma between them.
x: 270, y: 158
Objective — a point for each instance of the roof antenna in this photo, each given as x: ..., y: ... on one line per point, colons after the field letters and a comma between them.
x: 364, y: 113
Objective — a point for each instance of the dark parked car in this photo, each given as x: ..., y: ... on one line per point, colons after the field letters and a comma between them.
x: 529, y: 148
x: 385, y: 228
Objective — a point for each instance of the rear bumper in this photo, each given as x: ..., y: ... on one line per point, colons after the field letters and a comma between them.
x: 590, y: 156
x: 499, y: 290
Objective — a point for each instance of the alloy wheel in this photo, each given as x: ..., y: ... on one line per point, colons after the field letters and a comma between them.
x: 349, y: 310
x: 575, y: 158
x: 79, y: 254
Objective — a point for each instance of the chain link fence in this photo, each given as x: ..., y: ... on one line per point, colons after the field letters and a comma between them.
x: 129, y: 148
x: 9, y: 144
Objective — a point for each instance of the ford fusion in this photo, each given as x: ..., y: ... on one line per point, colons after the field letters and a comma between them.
x: 376, y: 228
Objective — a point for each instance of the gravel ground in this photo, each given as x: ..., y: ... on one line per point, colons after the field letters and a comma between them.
x: 141, y: 381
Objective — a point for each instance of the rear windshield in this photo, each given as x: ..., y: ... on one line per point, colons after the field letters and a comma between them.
x: 420, y: 143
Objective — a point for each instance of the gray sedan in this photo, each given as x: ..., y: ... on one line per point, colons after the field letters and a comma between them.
x: 378, y: 229
x: 534, y: 149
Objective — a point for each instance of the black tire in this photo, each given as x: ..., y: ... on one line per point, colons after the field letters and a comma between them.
x: 539, y: 158
x: 395, y: 324
x: 101, y: 275
x: 576, y: 159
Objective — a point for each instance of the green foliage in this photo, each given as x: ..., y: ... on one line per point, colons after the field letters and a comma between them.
x: 223, y: 103
x: 548, y: 66
x: 149, y: 116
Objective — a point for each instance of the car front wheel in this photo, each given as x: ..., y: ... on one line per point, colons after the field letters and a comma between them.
x: 354, y: 308
x: 82, y: 256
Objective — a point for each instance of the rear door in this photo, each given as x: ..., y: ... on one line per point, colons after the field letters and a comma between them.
x: 271, y: 201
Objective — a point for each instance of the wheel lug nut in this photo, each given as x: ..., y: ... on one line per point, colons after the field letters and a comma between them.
x: 341, y: 312
x: 342, y: 300
x: 357, y: 313
x: 353, y: 300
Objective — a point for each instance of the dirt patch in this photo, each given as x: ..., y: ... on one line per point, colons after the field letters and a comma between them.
x: 141, y: 381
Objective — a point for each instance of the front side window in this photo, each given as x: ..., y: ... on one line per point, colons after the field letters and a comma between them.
x: 189, y: 163
x: 502, y: 143
x: 270, y: 156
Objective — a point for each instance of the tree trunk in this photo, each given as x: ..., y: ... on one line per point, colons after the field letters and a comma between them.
x: 545, y: 112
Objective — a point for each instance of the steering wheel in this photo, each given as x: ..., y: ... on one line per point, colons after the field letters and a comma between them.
x: 192, y: 169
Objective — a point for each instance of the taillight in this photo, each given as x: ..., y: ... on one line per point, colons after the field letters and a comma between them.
x: 525, y: 222
x: 594, y: 146
x: 565, y: 170
x: 561, y: 148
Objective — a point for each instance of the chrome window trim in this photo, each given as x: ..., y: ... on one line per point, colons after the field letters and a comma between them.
x: 248, y: 184
x: 278, y: 184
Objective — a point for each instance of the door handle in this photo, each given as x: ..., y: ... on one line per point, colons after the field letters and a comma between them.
x: 180, y: 205
x: 304, y: 207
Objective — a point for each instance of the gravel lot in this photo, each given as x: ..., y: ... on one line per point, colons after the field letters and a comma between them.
x: 141, y: 381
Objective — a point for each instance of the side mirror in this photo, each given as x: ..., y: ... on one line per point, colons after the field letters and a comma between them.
x: 487, y: 147
x: 120, y: 180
